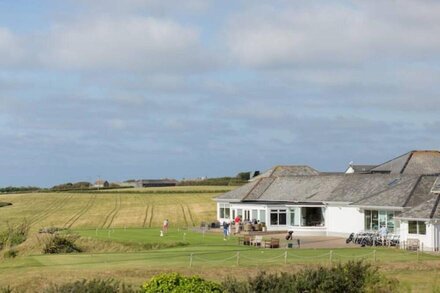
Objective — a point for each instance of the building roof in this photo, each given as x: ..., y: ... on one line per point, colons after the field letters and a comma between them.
x: 403, y: 182
x: 100, y: 182
x: 414, y: 162
x: 361, y: 168
x: 357, y: 189
x: 283, y: 171
x: 429, y: 209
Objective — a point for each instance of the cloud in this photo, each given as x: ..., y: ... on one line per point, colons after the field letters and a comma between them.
x: 305, y: 33
x: 128, y: 43
x: 11, y: 50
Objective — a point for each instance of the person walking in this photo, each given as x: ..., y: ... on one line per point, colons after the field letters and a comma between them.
x: 165, y: 226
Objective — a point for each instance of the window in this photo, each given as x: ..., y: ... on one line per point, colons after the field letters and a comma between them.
x: 254, y: 215
x: 225, y: 210
x: 373, y: 220
x: 240, y: 213
x: 262, y: 216
x: 278, y: 217
x: 294, y: 216
x: 416, y: 227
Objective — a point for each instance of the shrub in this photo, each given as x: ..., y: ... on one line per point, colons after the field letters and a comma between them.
x: 91, y: 286
x: 14, y: 235
x: 6, y: 290
x: 50, y: 230
x: 349, y: 277
x: 58, y: 243
x: 176, y: 283
x: 11, y: 253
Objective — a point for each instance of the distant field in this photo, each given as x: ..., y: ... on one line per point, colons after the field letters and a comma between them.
x: 137, y: 208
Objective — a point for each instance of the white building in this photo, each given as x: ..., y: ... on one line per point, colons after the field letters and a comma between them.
x: 399, y: 194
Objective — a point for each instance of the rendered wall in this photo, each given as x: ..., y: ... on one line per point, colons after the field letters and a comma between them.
x: 341, y: 221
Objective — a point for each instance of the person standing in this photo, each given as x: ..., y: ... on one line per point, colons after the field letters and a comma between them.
x: 383, y: 232
x: 237, y: 221
x: 165, y: 226
x: 225, y: 229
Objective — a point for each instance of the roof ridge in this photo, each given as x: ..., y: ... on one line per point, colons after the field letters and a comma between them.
x: 407, y: 161
x: 412, y: 190
x: 431, y: 215
x: 392, y: 159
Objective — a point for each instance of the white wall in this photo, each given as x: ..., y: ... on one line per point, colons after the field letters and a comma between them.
x: 430, y: 241
x: 342, y: 221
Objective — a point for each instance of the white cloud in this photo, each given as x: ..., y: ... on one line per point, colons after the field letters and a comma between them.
x: 129, y: 43
x: 330, y: 33
x: 10, y: 48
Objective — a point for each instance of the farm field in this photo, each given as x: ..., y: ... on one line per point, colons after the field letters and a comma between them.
x: 143, y: 208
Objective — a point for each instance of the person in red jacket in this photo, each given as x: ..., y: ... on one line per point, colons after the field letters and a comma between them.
x: 237, y: 221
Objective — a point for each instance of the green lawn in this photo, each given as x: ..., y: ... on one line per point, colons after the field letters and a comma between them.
x: 205, y: 254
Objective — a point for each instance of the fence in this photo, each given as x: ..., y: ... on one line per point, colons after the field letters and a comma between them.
x: 287, y: 257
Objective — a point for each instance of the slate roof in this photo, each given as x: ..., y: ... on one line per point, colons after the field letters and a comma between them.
x: 283, y: 171
x: 404, y: 182
x: 414, y: 162
x: 358, y: 189
x: 428, y: 209
x: 362, y: 168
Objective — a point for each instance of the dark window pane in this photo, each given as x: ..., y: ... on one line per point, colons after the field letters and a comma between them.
x: 274, y: 218
x: 412, y: 227
x: 222, y: 212
x: 283, y: 219
x: 422, y: 228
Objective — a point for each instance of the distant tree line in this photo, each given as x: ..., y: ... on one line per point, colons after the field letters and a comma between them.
x: 241, y: 179
x: 19, y: 189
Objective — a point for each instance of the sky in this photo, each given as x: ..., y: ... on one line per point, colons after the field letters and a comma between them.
x: 152, y: 89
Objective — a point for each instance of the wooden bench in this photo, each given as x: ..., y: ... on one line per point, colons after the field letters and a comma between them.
x: 245, y: 240
x: 257, y: 240
x: 412, y: 244
x: 272, y: 243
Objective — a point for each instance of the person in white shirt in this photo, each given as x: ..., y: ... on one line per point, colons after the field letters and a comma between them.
x: 383, y: 232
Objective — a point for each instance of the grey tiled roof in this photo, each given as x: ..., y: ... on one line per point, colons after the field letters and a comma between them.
x: 362, y: 168
x: 283, y: 171
x: 429, y: 209
x: 414, y: 162
x: 238, y: 193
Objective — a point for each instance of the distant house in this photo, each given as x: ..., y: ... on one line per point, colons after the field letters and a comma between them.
x: 101, y: 184
x: 359, y: 169
x: 156, y: 182
x: 402, y: 194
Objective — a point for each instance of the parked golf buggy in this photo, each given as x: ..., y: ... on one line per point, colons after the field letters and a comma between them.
x: 373, y: 239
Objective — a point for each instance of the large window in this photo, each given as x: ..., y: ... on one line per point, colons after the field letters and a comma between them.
x: 262, y: 217
x: 225, y: 210
x: 254, y: 215
x: 294, y: 216
x: 416, y: 227
x: 376, y: 219
x: 278, y: 217
x: 312, y: 216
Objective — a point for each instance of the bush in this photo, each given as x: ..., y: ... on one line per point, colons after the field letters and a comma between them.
x: 50, y: 230
x: 6, y: 290
x: 58, y: 243
x: 176, y: 283
x: 11, y: 253
x: 14, y: 235
x: 350, y: 277
x: 92, y: 286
